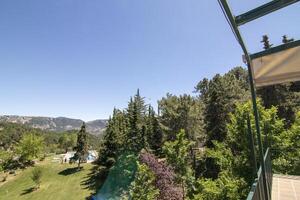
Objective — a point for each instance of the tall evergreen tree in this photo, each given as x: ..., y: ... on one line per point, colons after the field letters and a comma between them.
x: 113, y: 140
x: 286, y: 97
x: 154, y: 134
x: 220, y: 94
x: 136, y: 110
x: 81, y: 147
x: 183, y: 112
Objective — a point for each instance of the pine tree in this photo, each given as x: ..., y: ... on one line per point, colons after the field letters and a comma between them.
x: 182, y: 112
x: 285, y: 97
x: 266, y: 42
x: 154, y: 134
x: 136, y: 110
x: 219, y: 95
x: 81, y: 147
x: 113, y: 140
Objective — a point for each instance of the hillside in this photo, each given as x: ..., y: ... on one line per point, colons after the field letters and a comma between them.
x: 11, y: 133
x: 77, y: 185
x: 58, y: 124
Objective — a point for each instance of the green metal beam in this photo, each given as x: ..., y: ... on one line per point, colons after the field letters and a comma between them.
x: 252, y: 147
x: 263, y: 10
x: 276, y: 49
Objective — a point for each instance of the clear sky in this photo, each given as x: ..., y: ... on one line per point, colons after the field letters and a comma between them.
x: 79, y: 58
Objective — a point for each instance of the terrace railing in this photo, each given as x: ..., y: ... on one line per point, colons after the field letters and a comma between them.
x: 257, y: 190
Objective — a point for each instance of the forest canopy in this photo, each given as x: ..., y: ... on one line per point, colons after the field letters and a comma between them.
x: 196, y: 146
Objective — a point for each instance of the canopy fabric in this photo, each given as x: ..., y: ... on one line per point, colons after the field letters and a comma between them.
x: 277, y: 67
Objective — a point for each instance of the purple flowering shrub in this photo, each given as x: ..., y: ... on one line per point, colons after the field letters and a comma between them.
x: 165, y: 177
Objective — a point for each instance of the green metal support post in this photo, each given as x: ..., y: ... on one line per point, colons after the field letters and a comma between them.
x: 252, y: 147
x: 260, y: 146
x: 236, y: 31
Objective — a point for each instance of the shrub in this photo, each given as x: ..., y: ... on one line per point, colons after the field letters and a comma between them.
x: 36, y: 176
x: 164, y: 177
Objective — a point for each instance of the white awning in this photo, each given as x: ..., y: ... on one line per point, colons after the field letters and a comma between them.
x: 277, y: 65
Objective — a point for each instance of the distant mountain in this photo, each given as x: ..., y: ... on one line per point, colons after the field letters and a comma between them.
x: 57, y: 124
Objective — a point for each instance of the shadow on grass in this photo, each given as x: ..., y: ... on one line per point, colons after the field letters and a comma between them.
x: 94, y: 179
x: 27, y: 191
x: 70, y: 171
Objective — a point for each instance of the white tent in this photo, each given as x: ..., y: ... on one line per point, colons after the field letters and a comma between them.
x: 92, y: 156
x: 277, y: 65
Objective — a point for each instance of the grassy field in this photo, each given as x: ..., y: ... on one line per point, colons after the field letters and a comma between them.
x: 59, y: 182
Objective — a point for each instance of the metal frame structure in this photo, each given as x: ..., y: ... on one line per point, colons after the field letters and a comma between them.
x: 234, y: 23
x: 262, y: 10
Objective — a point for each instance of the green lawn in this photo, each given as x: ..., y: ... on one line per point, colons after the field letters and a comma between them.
x: 59, y: 182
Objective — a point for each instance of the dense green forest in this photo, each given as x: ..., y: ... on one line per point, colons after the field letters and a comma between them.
x: 196, y: 146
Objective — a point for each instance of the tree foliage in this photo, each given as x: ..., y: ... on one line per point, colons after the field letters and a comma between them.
x: 177, y: 153
x: 202, y: 142
x: 135, y: 138
x: 113, y: 139
x: 286, y: 97
x: 131, y: 130
x: 30, y: 147
x: 219, y: 179
x: 165, y: 177
x: 183, y: 112
x: 220, y: 94
x: 154, y: 133
x: 287, y: 160
x: 272, y: 131
x: 225, y: 187
x: 67, y: 141
x: 5, y: 159
x: 143, y: 188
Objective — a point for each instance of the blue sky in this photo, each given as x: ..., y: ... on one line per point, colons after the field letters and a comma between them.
x: 80, y: 59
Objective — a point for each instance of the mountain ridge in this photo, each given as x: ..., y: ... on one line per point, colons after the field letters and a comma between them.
x: 56, y: 124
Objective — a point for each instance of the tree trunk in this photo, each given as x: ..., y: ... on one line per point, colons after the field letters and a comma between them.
x: 182, y: 185
x: 79, y: 160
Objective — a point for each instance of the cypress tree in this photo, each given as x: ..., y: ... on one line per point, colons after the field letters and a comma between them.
x: 81, y: 147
